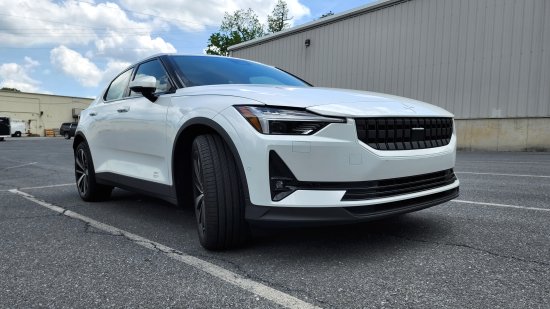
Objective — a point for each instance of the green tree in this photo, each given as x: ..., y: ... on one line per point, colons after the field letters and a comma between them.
x: 241, y: 26
x: 329, y: 13
x: 278, y: 20
x: 10, y: 89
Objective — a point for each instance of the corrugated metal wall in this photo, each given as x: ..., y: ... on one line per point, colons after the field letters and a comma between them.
x: 476, y: 58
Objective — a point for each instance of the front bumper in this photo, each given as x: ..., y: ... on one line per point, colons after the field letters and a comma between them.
x: 293, y: 216
x: 333, y: 155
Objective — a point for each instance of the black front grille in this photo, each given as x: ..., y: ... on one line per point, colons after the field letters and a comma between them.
x: 375, y: 189
x: 404, y: 133
x: 398, y: 186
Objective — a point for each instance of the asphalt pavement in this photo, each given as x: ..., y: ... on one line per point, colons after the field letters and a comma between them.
x: 491, y: 248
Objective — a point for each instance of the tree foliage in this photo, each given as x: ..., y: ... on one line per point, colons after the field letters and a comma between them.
x: 327, y: 14
x: 10, y: 89
x: 241, y: 26
x: 278, y: 20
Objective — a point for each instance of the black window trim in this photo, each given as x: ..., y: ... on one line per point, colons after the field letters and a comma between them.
x: 172, y: 88
x: 134, y: 68
x: 125, y: 93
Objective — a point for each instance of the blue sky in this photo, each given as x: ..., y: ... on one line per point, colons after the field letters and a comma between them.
x: 74, y: 47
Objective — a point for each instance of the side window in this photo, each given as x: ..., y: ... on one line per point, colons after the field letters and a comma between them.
x: 118, y: 86
x: 154, y: 68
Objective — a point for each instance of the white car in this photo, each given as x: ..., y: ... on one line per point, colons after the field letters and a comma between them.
x: 247, y: 143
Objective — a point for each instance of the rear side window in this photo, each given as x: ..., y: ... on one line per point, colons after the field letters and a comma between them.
x: 118, y: 86
x: 154, y: 68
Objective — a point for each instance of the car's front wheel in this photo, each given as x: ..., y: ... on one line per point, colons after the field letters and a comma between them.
x: 88, y: 189
x: 218, y: 195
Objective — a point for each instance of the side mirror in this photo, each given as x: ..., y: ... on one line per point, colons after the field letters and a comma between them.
x: 146, y: 85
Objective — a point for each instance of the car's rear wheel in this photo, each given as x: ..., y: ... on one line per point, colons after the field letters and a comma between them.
x: 18, y: 134
x: 218, y: 195
x: 88, y: 189
x: 67, y: 136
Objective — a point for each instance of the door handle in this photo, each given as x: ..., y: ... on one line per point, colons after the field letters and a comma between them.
x: 123, y: 109
x: 93, y: 114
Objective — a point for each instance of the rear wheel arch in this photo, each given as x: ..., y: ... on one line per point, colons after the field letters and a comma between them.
x: 182, y: 156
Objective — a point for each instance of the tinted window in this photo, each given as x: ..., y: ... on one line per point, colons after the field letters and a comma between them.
x: 202, y: 70
x: 118, y: 86
x: 154, y: 68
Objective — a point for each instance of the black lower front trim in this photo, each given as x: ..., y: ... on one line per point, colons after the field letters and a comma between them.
x: 291, y: 216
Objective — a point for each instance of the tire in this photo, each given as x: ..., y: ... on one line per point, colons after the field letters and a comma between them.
x: 218, y: 195
x: 88, y: 189
x: 18, y: 134
x: 66, y: 135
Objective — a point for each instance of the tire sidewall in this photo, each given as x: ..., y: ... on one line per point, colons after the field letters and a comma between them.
x: 91, y: 172
x: 195, y: 151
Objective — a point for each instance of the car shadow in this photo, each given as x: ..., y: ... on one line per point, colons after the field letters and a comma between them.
x: 394, y: 233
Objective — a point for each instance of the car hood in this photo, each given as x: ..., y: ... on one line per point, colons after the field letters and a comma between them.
x: 325, y: 101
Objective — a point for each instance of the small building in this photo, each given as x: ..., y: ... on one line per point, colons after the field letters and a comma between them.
x: 486, y: 61
x: 41, y: 112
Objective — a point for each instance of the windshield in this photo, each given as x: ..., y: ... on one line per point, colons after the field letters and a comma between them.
x: 203, y: 70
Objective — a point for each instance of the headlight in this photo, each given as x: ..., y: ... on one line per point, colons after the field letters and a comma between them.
x: 284, y: 121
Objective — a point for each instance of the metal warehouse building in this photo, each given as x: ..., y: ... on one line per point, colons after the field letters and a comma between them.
x: 41, y: 111
x: 487, y: 61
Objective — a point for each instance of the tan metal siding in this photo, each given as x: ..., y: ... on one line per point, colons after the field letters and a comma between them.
x: 476, y: 58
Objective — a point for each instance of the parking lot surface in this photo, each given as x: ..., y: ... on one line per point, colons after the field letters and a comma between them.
x: 490, y: 248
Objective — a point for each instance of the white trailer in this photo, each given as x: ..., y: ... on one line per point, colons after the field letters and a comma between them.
x: 17, y: 128
x: 13, y: 128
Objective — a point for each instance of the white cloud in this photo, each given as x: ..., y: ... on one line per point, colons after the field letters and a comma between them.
x: 13, y: 75
x: 103, y: 28
x: 87, y: 73
x: 75, y: 65
x: 95, y: 40
x: 130, y: 48
x: 30, y: 63
x: 192, y: 15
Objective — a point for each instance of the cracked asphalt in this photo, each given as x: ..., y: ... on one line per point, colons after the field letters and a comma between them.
x: 453, y: 255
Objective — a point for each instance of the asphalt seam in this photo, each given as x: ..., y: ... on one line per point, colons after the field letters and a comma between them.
x: 540, y: 263
x: 240, y: 281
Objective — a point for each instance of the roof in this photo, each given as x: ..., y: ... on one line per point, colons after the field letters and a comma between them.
x: 44, y: 94
x: 378, y: 5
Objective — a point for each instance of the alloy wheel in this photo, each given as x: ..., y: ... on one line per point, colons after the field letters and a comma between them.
x: 81, y: 171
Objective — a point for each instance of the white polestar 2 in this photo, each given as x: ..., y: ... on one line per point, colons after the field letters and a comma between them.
x: 250, y: 144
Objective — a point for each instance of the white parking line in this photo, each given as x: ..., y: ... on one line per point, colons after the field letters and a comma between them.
x: 42, y: 187
x: 498, y: 174
x: 500, y: 205
x: 50, y: 186
x: 246, y: 284
x: 507, y: 162
x: 21, y: 165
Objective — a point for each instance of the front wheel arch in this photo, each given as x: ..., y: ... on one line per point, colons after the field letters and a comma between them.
x: 181, y: 156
